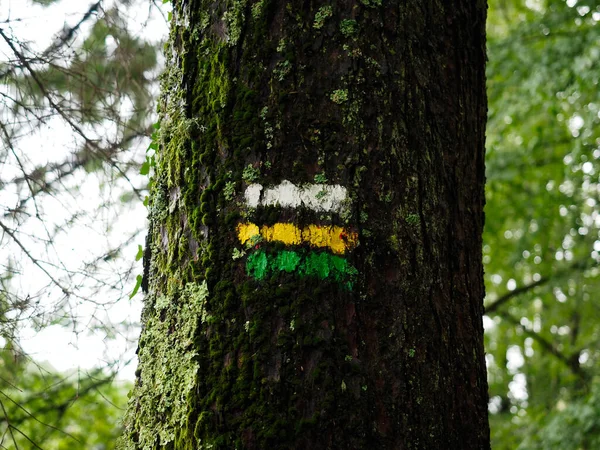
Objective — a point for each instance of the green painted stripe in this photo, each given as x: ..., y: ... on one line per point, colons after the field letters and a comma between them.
x: 324, y: 266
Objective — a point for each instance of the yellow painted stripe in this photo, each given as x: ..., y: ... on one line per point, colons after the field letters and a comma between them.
x: 247, y: 231
x: 336, y: 238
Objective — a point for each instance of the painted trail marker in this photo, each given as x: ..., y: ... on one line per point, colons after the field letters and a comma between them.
x: 337, y: 239
x: 321, y: 265
x: 318, y: 197
x: 331, y: 238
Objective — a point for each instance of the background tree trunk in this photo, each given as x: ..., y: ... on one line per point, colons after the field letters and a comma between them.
x: 314, y: 257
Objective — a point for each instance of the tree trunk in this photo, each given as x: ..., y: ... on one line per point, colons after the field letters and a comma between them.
x: 314, y: 262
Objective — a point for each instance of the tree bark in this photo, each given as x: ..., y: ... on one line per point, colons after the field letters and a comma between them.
x: 314, y: 254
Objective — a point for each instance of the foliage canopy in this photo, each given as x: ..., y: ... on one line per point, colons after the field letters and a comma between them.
x: 542, y: 223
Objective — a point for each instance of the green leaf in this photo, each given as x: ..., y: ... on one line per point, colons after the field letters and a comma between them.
x: 138, y: 283
x: 126, y: 197
x: 140, y: 253
x: 145, y: 169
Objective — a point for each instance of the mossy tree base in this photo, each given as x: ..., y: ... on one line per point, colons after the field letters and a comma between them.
x: 385, y: 99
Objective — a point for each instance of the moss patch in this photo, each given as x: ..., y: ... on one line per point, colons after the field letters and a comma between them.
x: 169, y: 367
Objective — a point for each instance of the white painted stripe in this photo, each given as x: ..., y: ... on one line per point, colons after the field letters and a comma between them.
x: 318, y: 197
x: 252, y: 195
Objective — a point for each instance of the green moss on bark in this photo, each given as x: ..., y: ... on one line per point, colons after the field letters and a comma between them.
x: 168, y: 367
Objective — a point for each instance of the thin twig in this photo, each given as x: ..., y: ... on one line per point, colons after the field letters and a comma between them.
x: 60, y: 111
x: 33, y: 259
x: 67, y: 35
x: 9, y: 425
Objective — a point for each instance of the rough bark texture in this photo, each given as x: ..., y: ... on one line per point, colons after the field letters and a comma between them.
x: 268, y: 343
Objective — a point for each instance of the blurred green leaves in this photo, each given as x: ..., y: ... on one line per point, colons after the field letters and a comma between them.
x: 91, y: 74
x: 106, y: 78
x: 542, y: 221
x: 68, y: 411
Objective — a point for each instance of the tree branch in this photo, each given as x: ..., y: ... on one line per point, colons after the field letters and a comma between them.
x: 67, y: 34
x: 60, y: 111
x: 580, y: 265
x: 33, y: 259
x: 512, y: 294
x: 572, y: 361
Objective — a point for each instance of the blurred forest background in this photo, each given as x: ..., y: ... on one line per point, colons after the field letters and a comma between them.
x: 76, y: 116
